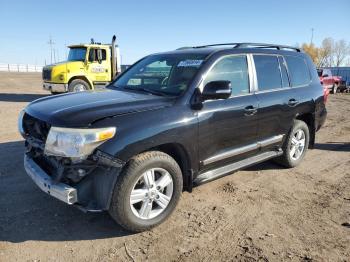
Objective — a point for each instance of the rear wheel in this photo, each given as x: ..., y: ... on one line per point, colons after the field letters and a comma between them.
x: 146, y: 192
x: 295, y: 145
x: 78, y: 85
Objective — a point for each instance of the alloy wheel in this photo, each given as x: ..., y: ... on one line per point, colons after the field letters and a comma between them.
x: 297, y: 144
x: 151, y: 193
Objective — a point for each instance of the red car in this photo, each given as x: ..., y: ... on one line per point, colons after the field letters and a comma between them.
x: 329, y: 81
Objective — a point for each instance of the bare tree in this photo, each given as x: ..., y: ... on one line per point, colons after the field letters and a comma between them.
x: 340, y: 52
x: 326, y: 53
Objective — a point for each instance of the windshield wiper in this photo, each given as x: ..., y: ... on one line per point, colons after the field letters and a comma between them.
x: 153, y: 92
x: 146, y: 90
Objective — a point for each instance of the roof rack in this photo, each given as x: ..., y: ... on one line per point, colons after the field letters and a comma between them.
x: 250, y: 45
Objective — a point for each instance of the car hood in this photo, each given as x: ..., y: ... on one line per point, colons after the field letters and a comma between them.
x: 82, y: 109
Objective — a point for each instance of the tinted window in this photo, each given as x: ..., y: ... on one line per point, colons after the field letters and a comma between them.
x: 268, y: 72
x: 233, y: 69
x: 298, y: 71
x: 285, y: 80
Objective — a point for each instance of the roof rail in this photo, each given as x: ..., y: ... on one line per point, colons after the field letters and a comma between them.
x: 251, y: 45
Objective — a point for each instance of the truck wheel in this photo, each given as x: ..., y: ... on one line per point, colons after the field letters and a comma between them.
x: 335, y: 88
x: 146, y: 192
x: 295, y: 145
x: 78, y: 85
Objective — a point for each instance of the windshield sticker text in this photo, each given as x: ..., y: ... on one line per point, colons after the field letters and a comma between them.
x: 190, y: 63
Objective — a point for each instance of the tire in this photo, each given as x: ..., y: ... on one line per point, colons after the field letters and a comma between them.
x: 132, y: 179
x: 78, y: 85
x: 287, y: 159
x: 334, y: 89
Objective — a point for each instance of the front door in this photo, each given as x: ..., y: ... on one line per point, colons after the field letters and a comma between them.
x: 228, y: 127
x: 98, y: 70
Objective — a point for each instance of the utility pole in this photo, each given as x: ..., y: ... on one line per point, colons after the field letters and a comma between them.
x: 51, y: 43
x: 312, y: 36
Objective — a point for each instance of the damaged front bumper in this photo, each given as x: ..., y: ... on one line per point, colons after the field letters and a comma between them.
x: 90, y: 193
x: 60, y: 191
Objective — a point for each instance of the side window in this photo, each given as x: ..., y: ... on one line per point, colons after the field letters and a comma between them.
x: 268, y: 72
x: 93, y: 54
x: 104, y: 54
x: 298, y: 71
x: 284, y: 74
x: 234, y: 69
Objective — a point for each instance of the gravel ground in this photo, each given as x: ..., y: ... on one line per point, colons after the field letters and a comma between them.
x: 264, y: 213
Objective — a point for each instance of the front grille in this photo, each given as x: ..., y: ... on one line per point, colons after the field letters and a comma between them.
x: 47, y: 74
x: 35, y: 128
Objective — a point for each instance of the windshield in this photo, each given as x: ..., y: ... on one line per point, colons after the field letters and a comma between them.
x: 77, y: 54
x: 167, y: 74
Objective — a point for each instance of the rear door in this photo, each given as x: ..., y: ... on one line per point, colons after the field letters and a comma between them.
x: 227, y: 127
x: 276, y: 99
x: 301, y: 84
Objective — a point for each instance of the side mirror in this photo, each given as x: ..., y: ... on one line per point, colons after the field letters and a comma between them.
x: 217, y: 90
x: 99, y: 55
x: 325, y: 75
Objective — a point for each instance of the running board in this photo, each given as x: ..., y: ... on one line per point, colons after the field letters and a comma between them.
x: 226, y: 170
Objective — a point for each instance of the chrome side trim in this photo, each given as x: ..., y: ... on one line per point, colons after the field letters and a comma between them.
x: 243, y: 149
x: 60, y: 191
x: 226, y: 170
x: 231, y: 153
x: 270, y: 141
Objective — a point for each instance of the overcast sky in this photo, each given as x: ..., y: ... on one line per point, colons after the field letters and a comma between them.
x: 144, y: 27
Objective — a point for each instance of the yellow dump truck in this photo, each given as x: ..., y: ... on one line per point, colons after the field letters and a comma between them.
x: 87, y: 66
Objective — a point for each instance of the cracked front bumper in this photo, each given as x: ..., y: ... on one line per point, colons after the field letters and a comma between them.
x: 60, y: 191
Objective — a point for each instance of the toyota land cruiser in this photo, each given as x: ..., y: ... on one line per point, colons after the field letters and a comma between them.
x: 171, y: 121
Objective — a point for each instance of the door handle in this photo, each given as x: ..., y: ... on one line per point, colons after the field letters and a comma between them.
x: 292, y: 102
x: 250, y: 110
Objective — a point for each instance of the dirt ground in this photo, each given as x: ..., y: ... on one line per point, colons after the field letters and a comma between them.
x: 265, y: 213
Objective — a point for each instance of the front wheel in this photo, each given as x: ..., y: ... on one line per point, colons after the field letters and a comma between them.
x: 78, y: 85
x: 295, y: 145
x: 146, y: 192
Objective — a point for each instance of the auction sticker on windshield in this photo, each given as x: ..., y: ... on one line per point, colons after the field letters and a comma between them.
x: 190, y: 63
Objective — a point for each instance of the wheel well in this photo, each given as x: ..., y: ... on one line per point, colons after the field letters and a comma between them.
x: 81, y: 78
x: 309, y: 120
x: 180, y: 155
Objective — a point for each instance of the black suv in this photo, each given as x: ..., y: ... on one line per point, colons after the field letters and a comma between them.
x: 171, y: 121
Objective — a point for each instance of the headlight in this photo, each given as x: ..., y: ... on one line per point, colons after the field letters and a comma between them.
x: 20, y: 123
x: 76, y: 143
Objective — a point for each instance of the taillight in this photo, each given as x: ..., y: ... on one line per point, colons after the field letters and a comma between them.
x: 325, y: 94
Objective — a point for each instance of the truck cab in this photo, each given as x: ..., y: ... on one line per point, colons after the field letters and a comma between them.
x: 87, y: 66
